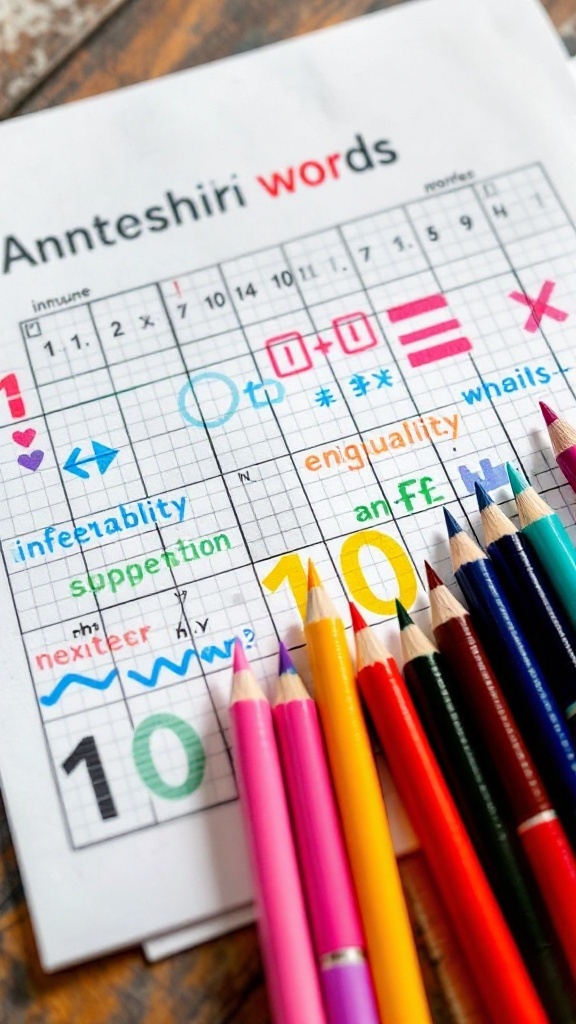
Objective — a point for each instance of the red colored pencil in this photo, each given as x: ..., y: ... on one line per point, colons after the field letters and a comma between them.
x: 494, y: 961
x: 563, y: 439
x: 541, y: 834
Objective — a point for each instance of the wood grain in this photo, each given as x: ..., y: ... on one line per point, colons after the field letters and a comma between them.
x: 220, y: 983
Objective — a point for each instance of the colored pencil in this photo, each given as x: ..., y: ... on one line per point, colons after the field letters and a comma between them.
x: 475, y: 915
x: 541, y: 834
x: 563, y: 440
x: 533, y: 601
x: 291, y: 973
x: 428, y: 681
x: 520, y: 675
x: 333, y: 911
x: 391, y: 948
x: 548, y: 536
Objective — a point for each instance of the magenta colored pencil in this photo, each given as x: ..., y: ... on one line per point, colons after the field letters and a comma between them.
x: 291, y: 974
x: 563, y: 439
x: 334, y: 917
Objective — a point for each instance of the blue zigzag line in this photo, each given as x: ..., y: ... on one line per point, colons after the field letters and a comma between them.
x: 159, y: 664
x: 180, y: 669
x: 66, y: 681
x: 206, y: 654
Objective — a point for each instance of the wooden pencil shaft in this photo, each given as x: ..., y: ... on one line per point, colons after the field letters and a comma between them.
x: 478, y: 799
x: 541, y: 615
x: 391, y: 949
x: 286, y: 943
x: 479, y: 689
x: 475, y: 915
x: 529, y: 696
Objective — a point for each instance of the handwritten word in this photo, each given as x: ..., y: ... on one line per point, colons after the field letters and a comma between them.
x: 359, y: 385
x: 409, y: 432
x: 208, y: 654
x: 409, y: 494
x: 289, y: 353
x: 134, y: 573
x: 525, y: 378
x: 431, y: 353
x: 9, y: 384
x: 261, y: 395
x: 490, y: 476
x: 96, y: 645
x: 126, y: 517
x: 291, y: 569
x: 539, y: 307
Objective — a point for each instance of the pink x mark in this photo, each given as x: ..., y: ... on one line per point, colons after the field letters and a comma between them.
x: 539, y: 307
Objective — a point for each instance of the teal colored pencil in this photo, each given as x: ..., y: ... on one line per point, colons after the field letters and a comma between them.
x: 549, y: 538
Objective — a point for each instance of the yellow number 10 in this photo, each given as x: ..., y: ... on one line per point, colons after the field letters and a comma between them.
x: 290, y: 568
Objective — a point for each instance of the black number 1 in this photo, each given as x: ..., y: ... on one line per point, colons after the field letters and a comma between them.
x: 88, y: 751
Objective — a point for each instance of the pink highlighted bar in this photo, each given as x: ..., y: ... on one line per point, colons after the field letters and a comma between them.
x: 435, y: 352
x: 415, y: 308
x: 428, y: 332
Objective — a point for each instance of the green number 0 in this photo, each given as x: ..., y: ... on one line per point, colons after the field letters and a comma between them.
x: 144, y: 761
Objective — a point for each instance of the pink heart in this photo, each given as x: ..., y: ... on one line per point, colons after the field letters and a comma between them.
x: 31, y: 461
x: 24, y: 437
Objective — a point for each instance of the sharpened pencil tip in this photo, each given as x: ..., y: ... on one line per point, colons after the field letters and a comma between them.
x: 358, y: 622
x: 403, y: 617
x: 518, y: 482
x: 285, y: 663
x: 452, y: 525
x: 313, y: 577
x: 432, y: 577
x: 482, y: 496
x: 548, y: 413
x: 240, y: 662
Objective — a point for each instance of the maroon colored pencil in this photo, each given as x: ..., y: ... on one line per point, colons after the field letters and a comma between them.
x: 541, y: 834
x: 563, y: 440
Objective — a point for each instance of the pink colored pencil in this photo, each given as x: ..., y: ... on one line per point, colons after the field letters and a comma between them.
x: 563, y: 439
x: 334, y: 916
x: 288, y: 956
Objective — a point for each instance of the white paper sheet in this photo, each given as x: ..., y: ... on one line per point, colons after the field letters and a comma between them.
x: 179, y: 344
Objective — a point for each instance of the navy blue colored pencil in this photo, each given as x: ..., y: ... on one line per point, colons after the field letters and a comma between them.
x: 534, y: 602
x: 532, y: 702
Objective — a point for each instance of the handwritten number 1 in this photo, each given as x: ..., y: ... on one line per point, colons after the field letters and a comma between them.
x: 87, y: 751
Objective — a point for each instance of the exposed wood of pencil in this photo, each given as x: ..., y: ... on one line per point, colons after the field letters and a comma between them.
x: 464, y: 549
x: 531, y: 507
x: 562, y: 436
x: 495, y: 524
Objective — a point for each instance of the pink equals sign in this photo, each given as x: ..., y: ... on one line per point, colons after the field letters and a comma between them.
x: 430, y: 353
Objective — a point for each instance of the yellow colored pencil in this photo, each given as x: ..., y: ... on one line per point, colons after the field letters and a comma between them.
x: 391, y: 949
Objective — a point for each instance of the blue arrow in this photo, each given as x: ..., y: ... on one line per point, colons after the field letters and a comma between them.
x: 103, y: 457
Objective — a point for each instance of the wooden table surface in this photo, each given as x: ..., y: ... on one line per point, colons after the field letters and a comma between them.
x: 51, y: 52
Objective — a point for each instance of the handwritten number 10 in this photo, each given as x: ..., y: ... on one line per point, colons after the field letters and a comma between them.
x: 87, y: 752
x: 290, y: 569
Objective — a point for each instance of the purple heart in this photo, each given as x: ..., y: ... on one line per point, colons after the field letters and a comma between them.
x: 31, y: 461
